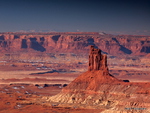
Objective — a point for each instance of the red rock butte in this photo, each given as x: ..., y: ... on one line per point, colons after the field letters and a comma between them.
x: 97, y: 73
x: 96, y: 88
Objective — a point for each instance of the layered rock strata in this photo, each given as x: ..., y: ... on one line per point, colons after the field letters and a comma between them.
x: 97, y: 89
x: 74, y: 42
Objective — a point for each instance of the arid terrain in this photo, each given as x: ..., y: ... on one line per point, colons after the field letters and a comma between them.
x: 36, y: 66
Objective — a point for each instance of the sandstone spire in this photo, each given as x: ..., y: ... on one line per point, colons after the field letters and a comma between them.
x: 97, y: 61
x: 83, y: 89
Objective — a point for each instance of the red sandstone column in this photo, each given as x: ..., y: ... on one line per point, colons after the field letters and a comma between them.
x: 97, y: 61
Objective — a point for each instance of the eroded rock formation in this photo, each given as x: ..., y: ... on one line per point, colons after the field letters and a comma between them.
x: 96, y: 88
x: 97, y: 61
x: 74, y: 42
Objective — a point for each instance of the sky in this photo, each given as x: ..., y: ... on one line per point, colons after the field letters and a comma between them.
x: 109, y: 16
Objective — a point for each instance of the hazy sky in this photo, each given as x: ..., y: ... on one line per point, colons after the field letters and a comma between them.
x: 110, y: 16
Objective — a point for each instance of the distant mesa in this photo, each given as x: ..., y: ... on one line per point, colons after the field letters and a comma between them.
x: 73, y: 42
x: 102, y: 33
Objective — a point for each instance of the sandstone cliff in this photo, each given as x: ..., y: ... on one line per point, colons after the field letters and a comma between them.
x: 74, y: 42
x: 97, y: 89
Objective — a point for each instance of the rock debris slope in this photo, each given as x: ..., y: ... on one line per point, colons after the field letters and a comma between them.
x: 98, y: 89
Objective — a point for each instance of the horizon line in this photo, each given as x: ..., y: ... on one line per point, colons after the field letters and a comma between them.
x: 68, y: 33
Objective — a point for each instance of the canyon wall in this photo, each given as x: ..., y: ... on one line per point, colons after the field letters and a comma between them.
x: 69, y: 42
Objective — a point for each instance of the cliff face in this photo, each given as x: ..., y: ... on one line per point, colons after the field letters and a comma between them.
x: 96, y: 88
x: 111, y: 44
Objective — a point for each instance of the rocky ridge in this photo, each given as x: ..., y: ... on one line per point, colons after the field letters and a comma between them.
x: 97, y: 89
